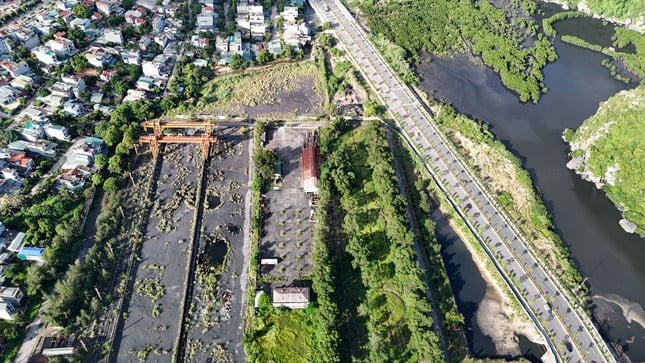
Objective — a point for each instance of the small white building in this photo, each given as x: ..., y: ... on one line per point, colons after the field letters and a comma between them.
x: 57, y: 132
x: 8, y: 311
x: 113, y: 35
x: 62, y: 47
x: 291, y: 297
x: 73, y: 108
x: 46, y: 55
x: 11, y: 295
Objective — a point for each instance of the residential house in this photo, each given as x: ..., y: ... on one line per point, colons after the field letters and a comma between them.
x: 8, y: 311
x: 158, y: 23
x: 221, y: 44
x: 8, y: 95
x: 62, y: 89
x: 131, y: 57
x: 134, y: 95
x: 147, y: 4
x: 206, y: 19
x: 11, y: 295
x: 26, y: 37
x: 76, y: 160
x: 15, y: 69
x: 99, y: 58
x: 8, y: 187
x: 6, y: 44
x: 146, y: 84
x: 46, y: 55
x: 41, y: 147
x: 22, y: 82
x: 90, y: 146
x: 106, y: 76
x: 72, y: 179
x: 113, y: 36
x: 62, y: 47
x: 57, y: 132
x: 73, y: 108
x: 32, y: 132
x: 22, y: 161
x: 157, y: 68
x: 291, y: 297
x: 144, y: 42
x: 96, y: 98
x: 162, y: 39
x: 36, y: 114
x: 235, y: 43
x: 103, y: 108
x: 31, y: 254
x: 17, y: 242
x: 11, y: 174
x: 107, y: 7
x: 77, y: 83
x: 80, y: 23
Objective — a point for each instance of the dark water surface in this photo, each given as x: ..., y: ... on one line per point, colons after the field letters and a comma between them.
x: 585, y: 219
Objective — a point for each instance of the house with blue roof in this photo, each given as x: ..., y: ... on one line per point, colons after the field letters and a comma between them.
x: 32, y: 254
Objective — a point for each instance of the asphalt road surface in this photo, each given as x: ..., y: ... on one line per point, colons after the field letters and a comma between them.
x: 570, y: 334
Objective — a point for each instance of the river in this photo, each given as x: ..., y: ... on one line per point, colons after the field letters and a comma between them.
x: 584, y: 218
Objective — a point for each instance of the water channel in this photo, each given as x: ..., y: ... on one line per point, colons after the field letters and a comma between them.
x: 584, y: 218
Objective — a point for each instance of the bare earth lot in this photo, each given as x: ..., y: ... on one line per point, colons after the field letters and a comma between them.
x: 152, y: 319
x: 287, y: 232
x: 216, y: 326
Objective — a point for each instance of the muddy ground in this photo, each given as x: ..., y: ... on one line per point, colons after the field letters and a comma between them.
x: 152, y: 321
x: 216, y: 325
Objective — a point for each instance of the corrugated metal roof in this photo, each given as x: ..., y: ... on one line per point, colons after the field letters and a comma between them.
x: 309, y: 162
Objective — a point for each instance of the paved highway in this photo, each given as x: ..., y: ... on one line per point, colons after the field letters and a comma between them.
x: 570, y: 335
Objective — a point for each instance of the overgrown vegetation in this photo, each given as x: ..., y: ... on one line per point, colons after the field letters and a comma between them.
x: 451, y: 320
x: 498, y: 36
x: 547, y: 23
x: 50, y: 220
x: 257, y: 87
x: 625, y: 10
x: 610, y: 149
x: 283, y: 335
x: 388, y: 313
x: 511, y: 186
x: 280, y: 334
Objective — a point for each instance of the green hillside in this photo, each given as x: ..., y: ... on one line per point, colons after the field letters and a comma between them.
x: 609, y: 150
x: 627, y: 11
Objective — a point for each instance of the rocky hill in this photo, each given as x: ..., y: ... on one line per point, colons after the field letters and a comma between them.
x: 608, y: 149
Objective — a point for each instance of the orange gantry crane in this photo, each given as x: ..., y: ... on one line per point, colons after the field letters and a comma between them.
x: 205, y: 140
x: 157, y: 126
x: 156, y: 138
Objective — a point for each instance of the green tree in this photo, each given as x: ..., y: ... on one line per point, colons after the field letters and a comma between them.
x: 237, y: 62
x: 8, y: 136
x: 82, y: 11
x: 287, y: 51
x: 111, y: 185
x: 263, y: 160
x: 264, y: 57
x: 21, y: 52
x: 79, y: 62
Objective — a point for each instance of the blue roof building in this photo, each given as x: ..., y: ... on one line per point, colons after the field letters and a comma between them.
x: 31, y: 254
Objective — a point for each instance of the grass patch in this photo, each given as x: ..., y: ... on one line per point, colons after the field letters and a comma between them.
x: 256, y: 87
x: 283, y: 335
